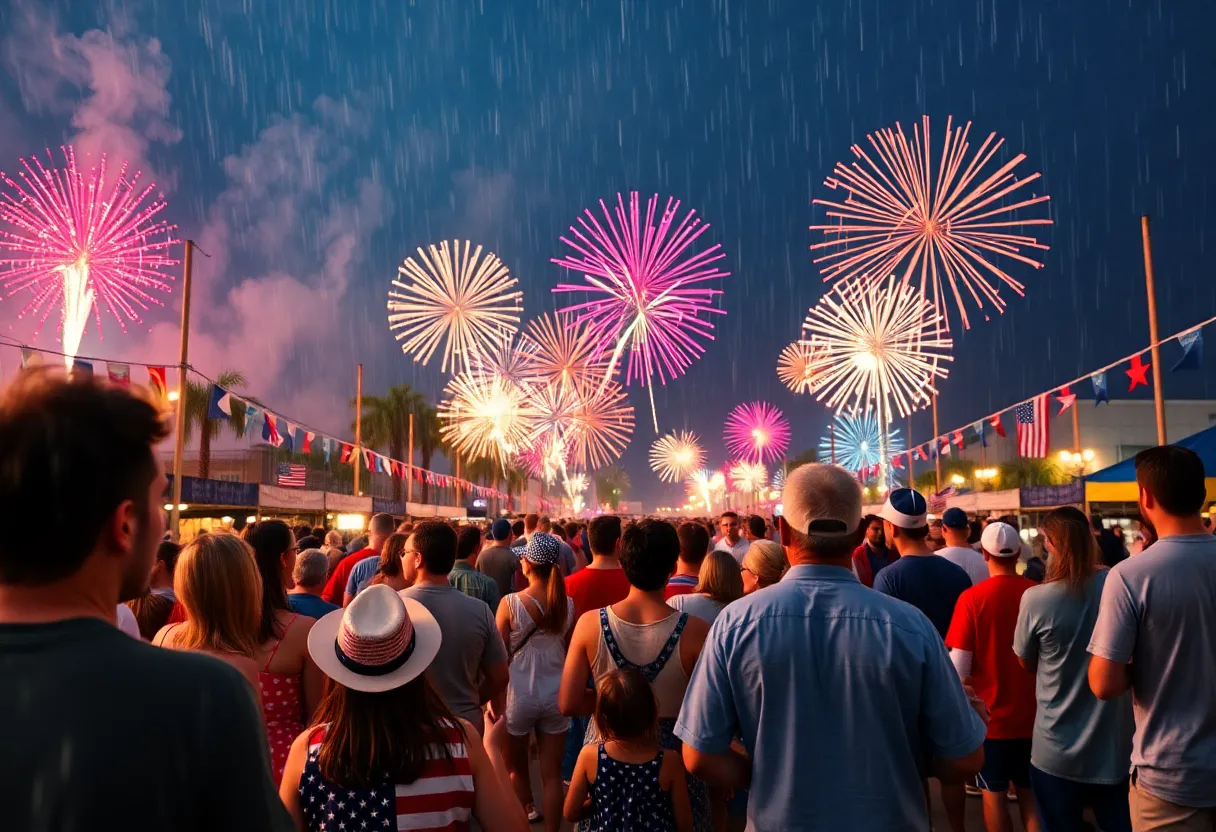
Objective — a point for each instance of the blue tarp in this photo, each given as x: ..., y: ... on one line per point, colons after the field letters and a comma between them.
x: 1202, y: 443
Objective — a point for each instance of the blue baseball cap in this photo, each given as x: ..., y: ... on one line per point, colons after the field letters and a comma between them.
x: 955, y: 518
x: 906, y: 508
x: 501, y: 530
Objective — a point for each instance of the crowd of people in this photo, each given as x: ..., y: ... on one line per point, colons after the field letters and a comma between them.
x: 813, y: 670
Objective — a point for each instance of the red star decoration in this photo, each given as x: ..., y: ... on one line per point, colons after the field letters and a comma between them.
x: 1137, y: 372
x: 1067, y: 399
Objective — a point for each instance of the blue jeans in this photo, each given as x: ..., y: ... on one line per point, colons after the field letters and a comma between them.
x: 1061, y: 803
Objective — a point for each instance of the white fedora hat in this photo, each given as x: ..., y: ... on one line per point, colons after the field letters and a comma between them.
x: 380, y: 642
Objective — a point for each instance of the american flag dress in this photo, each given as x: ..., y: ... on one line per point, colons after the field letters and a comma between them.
x: 441, y: 800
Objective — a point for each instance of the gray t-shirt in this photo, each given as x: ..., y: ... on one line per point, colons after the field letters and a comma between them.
x: 698, y: 604
x: 500, y: 563
x: 471, y: 646
x: 1158, y: 612
x: 1077, y: 736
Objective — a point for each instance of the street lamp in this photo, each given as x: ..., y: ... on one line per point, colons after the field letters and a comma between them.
x: 957, y: 479
x: 1076, y: 462
x: 986, y: 475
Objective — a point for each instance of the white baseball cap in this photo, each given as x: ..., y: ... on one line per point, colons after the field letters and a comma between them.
x: 1001, y: 540
x: 823, y: 500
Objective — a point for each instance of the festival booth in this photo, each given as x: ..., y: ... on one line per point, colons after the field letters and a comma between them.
x: 212, y: 505
x: 988, y: 503
x: 417, y: 510
x: 297, y: 505
x: 1114, y: 489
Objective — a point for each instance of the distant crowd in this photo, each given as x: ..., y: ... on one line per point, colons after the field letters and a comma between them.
x: 813, y: 670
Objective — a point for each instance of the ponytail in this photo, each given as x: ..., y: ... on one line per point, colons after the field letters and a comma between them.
x: 554, y: 619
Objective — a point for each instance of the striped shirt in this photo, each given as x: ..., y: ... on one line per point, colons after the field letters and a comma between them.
x: 441, y: 800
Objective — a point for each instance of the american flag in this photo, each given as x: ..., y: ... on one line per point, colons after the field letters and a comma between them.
x: 291, y: 475
x: 1033, y: 427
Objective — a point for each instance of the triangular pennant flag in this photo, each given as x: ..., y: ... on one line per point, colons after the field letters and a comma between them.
x: 1066, y: 398
x: 286, y: 434
x: 920, y: 453
x: 82, y: 368
x: 978, y: 427
x: 897, y: 461
x: 219, y: 404
x: 1192, y: 351
x: 1137, y: 371
x: 945, y: 446
x: 253, y: 420
x: 346, y: 452
x: 958, y: 438
x: 369, y: 459
x: 326, y: 448
x: 31, y: 358
x: 158, y: 382
x: 119, y: 374
x: 307, y: 447
x: 270, y: 430
x: 995, y: 421
x: 1099, y: 382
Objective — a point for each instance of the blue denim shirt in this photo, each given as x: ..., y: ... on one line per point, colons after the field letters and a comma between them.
x: 841, y: 695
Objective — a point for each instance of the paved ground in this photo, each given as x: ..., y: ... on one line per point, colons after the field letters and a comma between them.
x: 975, y: 812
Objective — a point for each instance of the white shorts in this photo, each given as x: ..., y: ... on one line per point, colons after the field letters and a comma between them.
x: 525, y: 714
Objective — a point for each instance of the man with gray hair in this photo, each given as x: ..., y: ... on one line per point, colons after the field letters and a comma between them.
x: 309, y: 576
x: 833, y: 687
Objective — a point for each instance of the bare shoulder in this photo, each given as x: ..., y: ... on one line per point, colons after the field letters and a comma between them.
x: 670, y: 769
x: 587, y: 760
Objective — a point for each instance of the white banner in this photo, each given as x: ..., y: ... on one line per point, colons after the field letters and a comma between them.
x: 296, y: 498
x: 348, y: 503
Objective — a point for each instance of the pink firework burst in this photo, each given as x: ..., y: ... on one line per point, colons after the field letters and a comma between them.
x: 648, y: 291
x: 941, y: 224
x: 757, y: 432
x: 77, y: 245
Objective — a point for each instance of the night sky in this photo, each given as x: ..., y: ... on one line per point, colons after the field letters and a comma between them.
x: 310, y: 145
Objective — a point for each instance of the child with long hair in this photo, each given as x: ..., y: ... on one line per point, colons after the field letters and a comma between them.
x: 627, y: 781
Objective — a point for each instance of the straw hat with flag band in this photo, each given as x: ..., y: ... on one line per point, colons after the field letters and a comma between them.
x: 378, y: 643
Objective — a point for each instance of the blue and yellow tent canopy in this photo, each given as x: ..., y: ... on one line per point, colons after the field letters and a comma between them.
x: 1117, y: 484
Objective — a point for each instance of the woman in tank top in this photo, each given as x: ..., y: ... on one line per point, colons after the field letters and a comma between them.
x: 534, y: 625
x: 644, y: 633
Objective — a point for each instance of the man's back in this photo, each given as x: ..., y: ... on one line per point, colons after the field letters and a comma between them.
x: 839, y: 694
x: 499, y: 563
x: 338, y: 581
x: 105, y: 732
x: 1158, y: 612
x: 966, y: 559
x: 927, y: 582
x: 471, y: 645
x: 593, y: 588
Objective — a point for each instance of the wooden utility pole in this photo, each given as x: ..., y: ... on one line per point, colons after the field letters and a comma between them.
x: 358, y: 425
x: 179, y: 423
x: 937, y: 456
x: 409, y: 485
x: 457, y: 484
x: 1076, y: 429
x: 1155, y: 350
x: 832, y: 440
x: 911, y: 473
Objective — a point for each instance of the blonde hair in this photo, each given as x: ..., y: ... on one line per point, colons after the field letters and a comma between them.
x: 766, y: 560
x: 719, y: 577
x: 218, y: 583
x: 333, y: 538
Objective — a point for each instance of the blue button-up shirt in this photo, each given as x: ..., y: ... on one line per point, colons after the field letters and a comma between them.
x: 841, y: 695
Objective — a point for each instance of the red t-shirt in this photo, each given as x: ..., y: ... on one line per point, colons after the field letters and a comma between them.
x: 679, y: 585
x: 591, y: 589
x: 337, y: 581
x: 984, y: 621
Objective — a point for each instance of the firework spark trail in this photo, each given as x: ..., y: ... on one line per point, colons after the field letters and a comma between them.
x: 857, y: 442
x: 645, y: 290
x: 487, y: 416
x: 876, y: 343
x: 561, y: 349
x: 601, y: 424
x: 467, y: 302
x: 796, y: 368
x: 898, y: 219
x: 757, y: 432
x: 77, y: 245
x: 676, y: 455
x: 706, y: 483
x: 748, y: 477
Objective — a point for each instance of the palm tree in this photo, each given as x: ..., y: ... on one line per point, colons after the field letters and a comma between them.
x: 1024, y: 473
x: 386, y: 424
x: 613, y: 482
x: 198, y: 402
x: 809, y: 455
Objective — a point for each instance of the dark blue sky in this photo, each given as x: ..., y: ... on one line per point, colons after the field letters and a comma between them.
x: 315, y: 144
